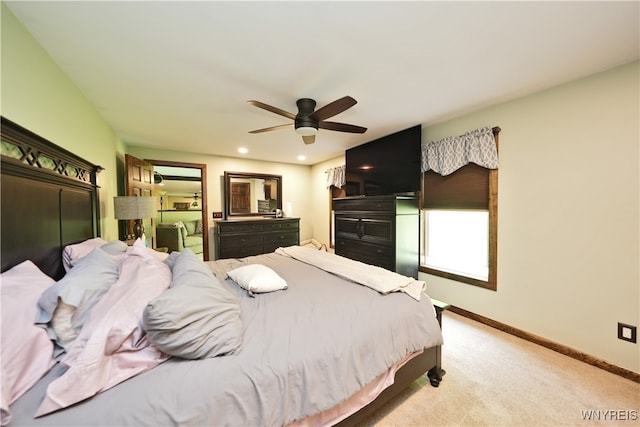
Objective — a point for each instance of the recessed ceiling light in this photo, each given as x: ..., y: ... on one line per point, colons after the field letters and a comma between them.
x: 243, y: 150
x: 301, y: 157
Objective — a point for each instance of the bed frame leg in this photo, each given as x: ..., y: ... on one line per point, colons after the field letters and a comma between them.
x: 435, y: 375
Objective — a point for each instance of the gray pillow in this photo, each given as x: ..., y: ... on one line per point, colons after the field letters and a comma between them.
x: 197, y: 317
x: 189, y: 269
x: 81, y: 288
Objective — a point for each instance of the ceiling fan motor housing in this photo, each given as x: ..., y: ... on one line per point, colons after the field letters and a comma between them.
x: 306, y: 108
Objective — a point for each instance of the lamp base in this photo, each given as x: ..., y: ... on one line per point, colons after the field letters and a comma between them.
x: 138, y: 229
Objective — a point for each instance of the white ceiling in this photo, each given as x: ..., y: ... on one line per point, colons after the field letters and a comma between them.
x: 178, y: 74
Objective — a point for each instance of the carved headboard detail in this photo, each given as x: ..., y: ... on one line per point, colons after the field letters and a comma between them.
x: 49, y: 199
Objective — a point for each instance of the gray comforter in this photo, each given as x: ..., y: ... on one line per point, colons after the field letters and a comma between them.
x: 304, y: 350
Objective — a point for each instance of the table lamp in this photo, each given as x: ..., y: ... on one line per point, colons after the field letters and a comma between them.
x: 136, y: 208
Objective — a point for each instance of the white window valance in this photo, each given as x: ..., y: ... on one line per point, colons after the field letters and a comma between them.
x: 336, y: 176
x: 450, y: 154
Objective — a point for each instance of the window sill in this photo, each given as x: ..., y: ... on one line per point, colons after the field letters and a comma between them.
x: 486, y: 284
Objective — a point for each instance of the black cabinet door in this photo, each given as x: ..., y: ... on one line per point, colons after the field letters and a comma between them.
x: 371, y: 228
x: 381, y: 256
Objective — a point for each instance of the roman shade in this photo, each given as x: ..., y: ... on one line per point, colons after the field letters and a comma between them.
x: 456, y: 170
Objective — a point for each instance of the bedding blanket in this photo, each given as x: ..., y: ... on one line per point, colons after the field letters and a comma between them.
x: 304, y: 350
x: 377, y: 278
x: 112, y: 345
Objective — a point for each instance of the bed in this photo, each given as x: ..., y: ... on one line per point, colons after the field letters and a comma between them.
x: 301, y: 346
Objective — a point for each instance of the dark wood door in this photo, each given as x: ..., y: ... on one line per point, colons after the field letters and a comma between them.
x: 139, y: 179
x: 240, y: 201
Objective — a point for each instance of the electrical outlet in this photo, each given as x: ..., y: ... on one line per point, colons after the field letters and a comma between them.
x: 627, y: 332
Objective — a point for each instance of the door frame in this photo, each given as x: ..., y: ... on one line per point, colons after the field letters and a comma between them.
x: 203, y: 185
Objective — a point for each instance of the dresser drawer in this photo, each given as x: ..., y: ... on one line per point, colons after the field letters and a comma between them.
x: 281, y: 224
x: 285, y: 238
x: 381, y: 256
x: 230, y: 227
x: 238, y: 240
x: 366, y: 204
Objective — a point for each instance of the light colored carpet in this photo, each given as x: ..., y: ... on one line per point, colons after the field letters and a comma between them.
x: 496, y: 379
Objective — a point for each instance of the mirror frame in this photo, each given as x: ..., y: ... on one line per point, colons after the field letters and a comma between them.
x: 247, y: 175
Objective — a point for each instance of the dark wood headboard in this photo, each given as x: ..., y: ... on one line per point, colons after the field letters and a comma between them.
x: 49, y: 199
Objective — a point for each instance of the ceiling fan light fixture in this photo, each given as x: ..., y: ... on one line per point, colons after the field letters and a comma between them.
x: 306, y: 130
x: 308, y: 120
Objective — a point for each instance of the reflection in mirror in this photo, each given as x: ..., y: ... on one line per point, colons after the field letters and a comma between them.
x: 252, y: 194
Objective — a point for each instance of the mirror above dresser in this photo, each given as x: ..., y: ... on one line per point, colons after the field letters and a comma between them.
x: 252, y: 194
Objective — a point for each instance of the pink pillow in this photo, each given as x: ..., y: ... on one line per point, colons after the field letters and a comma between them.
x: 26, y: 352
x: 79, y: 250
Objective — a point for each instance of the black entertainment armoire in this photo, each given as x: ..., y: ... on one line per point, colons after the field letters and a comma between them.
x: 379, y: 230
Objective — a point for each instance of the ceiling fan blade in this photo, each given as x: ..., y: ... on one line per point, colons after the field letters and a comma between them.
x: 309, y: 139
x: 271, y: 128
x: 341, y: 127
x: 333, y: 108
x: 275, y: 110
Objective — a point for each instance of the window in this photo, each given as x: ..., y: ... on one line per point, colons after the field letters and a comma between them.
x: 457, y: 242
x: 460, y: 224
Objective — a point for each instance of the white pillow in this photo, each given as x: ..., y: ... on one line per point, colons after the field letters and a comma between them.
x: 257, y: 278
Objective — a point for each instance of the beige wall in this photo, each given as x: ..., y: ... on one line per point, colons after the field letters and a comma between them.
x: 37, y: 95
x: 568, y: 244
x: 295, y: 182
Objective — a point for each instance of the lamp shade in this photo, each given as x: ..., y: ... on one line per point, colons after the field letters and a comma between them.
x: 134, y: 207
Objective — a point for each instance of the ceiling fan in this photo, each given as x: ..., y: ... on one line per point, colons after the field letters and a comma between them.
x: 308, y: 120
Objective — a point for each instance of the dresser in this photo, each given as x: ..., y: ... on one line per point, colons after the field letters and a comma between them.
x: 379, y: 230
x: 241, y: 238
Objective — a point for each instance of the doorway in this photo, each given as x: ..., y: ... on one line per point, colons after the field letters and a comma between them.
x: 189, y: 183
